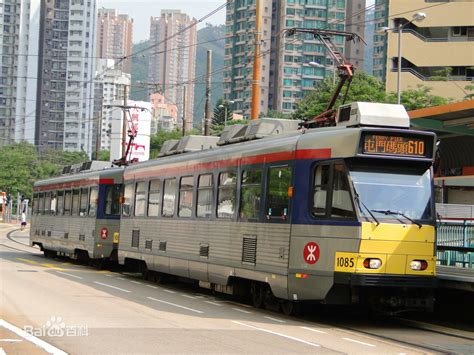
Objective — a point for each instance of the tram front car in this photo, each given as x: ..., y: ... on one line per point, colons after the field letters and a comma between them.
x: 372, y: 240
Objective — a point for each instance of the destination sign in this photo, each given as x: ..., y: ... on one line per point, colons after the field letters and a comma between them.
x: 395, y: 145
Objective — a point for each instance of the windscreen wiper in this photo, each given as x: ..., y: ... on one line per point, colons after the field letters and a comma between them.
x: 359, y: 202
x: 395, y: 213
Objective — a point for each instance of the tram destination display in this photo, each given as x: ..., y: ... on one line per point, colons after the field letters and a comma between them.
x: 393, y: 144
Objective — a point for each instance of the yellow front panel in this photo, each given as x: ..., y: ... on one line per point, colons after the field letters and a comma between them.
x: 398, y: 232
x: 396, y: 264
x: 397, y: 245
x: 392, y: 247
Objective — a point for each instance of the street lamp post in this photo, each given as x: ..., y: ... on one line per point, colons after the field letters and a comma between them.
x: 419, y: 16
x: 225, y: 111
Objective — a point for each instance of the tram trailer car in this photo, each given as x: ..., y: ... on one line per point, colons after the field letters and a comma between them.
x: 78, y: 214
x: 339, y: 215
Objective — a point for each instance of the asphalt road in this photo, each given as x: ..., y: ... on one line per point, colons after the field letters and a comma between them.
x: 99, y: 311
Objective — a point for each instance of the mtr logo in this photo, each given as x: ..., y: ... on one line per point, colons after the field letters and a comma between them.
x: 104, y: 233
x: 311, y: 253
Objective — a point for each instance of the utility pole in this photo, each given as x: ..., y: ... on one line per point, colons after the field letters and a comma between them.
x: 256, y: 62
x: 124, y: 123
x: 184, y: 110
x: 207, y: 118
x: 98, y: 135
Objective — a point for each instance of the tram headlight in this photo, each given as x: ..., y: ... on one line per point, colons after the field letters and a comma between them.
x: 370, y: 263
x: 418, y: 265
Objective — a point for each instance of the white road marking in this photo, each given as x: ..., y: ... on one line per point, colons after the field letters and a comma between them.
x: 278, y: 334
x: 11, y: 340
x: 314, y: 330
x: 188, y: 296
x: 115, y: 288
x: 136, y: 282
x: 358, y: 342
x: 169, y: 291
x: 214, y: 303
x: 71, y: 275
x: 2, y: 352
x: 275, y: 319
x: 108, y: 275
x: 175, y: 305
x: 121, y: 278
x: 32, y: 339
x: 241, y: 310
x: 151, y: 286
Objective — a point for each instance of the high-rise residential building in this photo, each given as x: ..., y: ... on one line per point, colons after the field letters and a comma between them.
x: 286, y: 75
x: 115, y: 37
x: 19, y: 21
x: 65, y: 85
x: 172, y: 61
x: 109, y: 88
x: 437, y: 52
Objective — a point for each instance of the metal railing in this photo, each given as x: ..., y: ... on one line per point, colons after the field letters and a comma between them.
x: 455, y: 235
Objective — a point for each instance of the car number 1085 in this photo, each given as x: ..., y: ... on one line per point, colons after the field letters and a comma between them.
x: 345, y: 262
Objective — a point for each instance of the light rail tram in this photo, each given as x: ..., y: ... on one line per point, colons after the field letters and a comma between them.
x: 339, y: 215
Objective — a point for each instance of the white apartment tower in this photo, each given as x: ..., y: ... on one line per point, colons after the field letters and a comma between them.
x: 173, y: 62
x: 109, y: 89
x: 19, y: 20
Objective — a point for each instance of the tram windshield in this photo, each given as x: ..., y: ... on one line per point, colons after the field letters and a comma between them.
x: 389, y: 193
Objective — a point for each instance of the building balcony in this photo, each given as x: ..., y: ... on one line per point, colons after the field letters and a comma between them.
x: 430, y: 53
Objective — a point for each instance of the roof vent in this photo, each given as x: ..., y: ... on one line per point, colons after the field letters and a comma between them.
x: 169, y: 147
x: 232, y: 134
x: 86, y: 166
x: 256, y: 129
x: 372, y: 114
x: 196, y: 143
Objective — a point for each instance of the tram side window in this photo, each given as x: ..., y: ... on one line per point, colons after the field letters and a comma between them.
x: 83, y: 202
x: 54, y: 203
x: 154, y: 197
x: 250, y: 193
x: 93, y: 200
x: 60, y: 202
x: 112, y: 199
x: 320, y: 192
x: 186, y: 191
x: 278, y: 197
x: 169, y: 197
x: 205, y: 196
x: 47, y: 203
x: 128, y: 198
x: 35, y: 203
x: 75, y: 202
x: 140, y: 199
x: 331, y: 192
x: 67, y: 202
x: 226, y: 195
x: 40, y: 203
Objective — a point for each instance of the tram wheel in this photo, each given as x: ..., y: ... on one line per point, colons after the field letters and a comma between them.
x: 287, y: 307
x: 258, y: 295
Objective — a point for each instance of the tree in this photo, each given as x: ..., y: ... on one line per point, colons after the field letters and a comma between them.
x: 104, y: 155
x: 363, y: 88
x: 157, y: 140
x: 222, y: 107
x: 420, y: 97
x: 469, y: 92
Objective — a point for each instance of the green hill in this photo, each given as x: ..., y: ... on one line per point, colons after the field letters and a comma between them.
x: 214, y: 36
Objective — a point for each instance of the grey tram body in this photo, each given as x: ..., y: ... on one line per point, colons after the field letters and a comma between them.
x: 77, y: 235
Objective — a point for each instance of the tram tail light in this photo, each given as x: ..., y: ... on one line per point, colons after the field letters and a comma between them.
x: 418, y: 265
x: 370, y: 263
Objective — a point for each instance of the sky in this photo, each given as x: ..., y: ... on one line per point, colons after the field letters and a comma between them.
x: 142, y: 10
